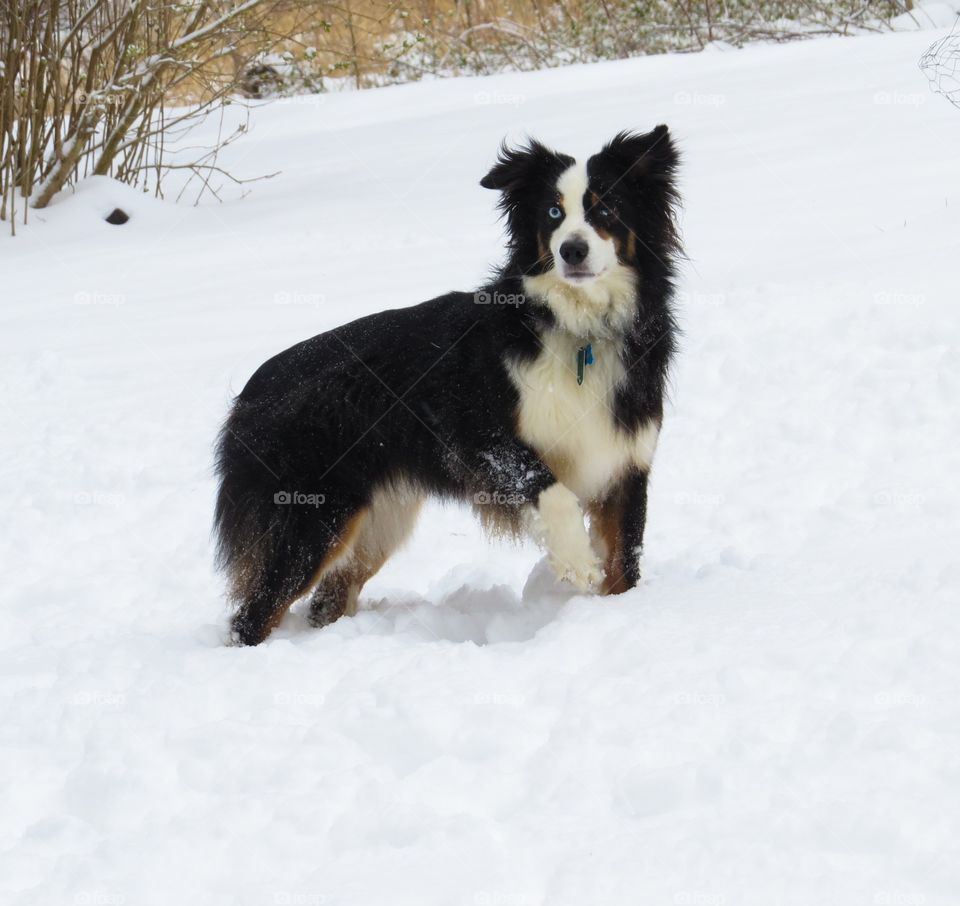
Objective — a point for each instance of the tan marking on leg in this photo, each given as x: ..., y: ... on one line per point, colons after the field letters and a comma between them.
x: 390, y: 519
x: 353, y: 599
x: 338, y: 550
x: 342, y: 548
x: 605, y: 520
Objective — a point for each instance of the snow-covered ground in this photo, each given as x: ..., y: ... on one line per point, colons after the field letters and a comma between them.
x: 772, y: 718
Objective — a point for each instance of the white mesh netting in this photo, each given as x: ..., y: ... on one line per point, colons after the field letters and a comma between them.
x: 941, y: 65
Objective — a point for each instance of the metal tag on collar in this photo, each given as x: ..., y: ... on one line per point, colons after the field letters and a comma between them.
x: 584, y: 357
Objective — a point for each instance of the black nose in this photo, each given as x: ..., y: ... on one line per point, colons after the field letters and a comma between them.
x: 574, y: 250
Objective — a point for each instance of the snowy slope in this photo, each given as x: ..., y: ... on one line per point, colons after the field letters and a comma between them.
x: 772, y: 718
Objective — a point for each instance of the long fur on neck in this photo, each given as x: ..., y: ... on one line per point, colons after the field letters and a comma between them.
x: 601, y: 309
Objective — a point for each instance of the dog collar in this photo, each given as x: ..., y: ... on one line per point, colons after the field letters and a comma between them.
x: 584, y: 358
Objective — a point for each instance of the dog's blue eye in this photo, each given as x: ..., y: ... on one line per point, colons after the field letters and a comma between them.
x: 555, y: 213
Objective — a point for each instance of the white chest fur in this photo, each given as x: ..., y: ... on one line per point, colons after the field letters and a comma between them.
x: 573, y: 427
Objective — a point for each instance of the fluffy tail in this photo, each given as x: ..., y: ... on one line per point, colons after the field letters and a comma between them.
x: 247, y: 519
x: 271, y: 547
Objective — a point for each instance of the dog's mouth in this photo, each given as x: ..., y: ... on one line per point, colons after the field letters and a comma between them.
x: 581, y: 274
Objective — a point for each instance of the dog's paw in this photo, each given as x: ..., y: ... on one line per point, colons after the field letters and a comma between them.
x: 585, y: 573
x: 320, y: 616
x: 232, y: 639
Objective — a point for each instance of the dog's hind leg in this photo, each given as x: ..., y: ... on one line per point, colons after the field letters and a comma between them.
x: 389, y: 522
x: 335, y: 596
x: 263, y: 602
x: 265, y: 590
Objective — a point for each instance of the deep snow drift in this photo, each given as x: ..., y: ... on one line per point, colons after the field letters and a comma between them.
x: 772, y: 718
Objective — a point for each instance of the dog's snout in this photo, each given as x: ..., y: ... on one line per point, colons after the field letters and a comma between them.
x: 574, y: 250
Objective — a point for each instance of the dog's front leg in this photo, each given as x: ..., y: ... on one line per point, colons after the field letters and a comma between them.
x: 617, y: 523
x: 513, y: 475
x: 555, y: 520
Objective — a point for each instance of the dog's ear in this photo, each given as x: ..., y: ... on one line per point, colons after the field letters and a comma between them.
x: 642, y: 157
x: 516, y: 167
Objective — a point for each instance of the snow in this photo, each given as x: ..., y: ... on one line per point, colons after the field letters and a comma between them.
x: 772, y: 717
x: 928, y: 15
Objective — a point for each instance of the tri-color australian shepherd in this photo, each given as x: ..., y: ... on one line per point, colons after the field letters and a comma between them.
x: 537, y: 399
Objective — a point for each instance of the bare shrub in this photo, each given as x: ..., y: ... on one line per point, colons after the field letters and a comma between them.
x: 374, y: 43
x: 87, y: 84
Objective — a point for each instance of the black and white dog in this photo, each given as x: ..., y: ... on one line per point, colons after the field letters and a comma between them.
x: 535, y: 399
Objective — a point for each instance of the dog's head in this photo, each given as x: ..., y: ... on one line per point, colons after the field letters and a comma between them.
x: 585, y: 234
